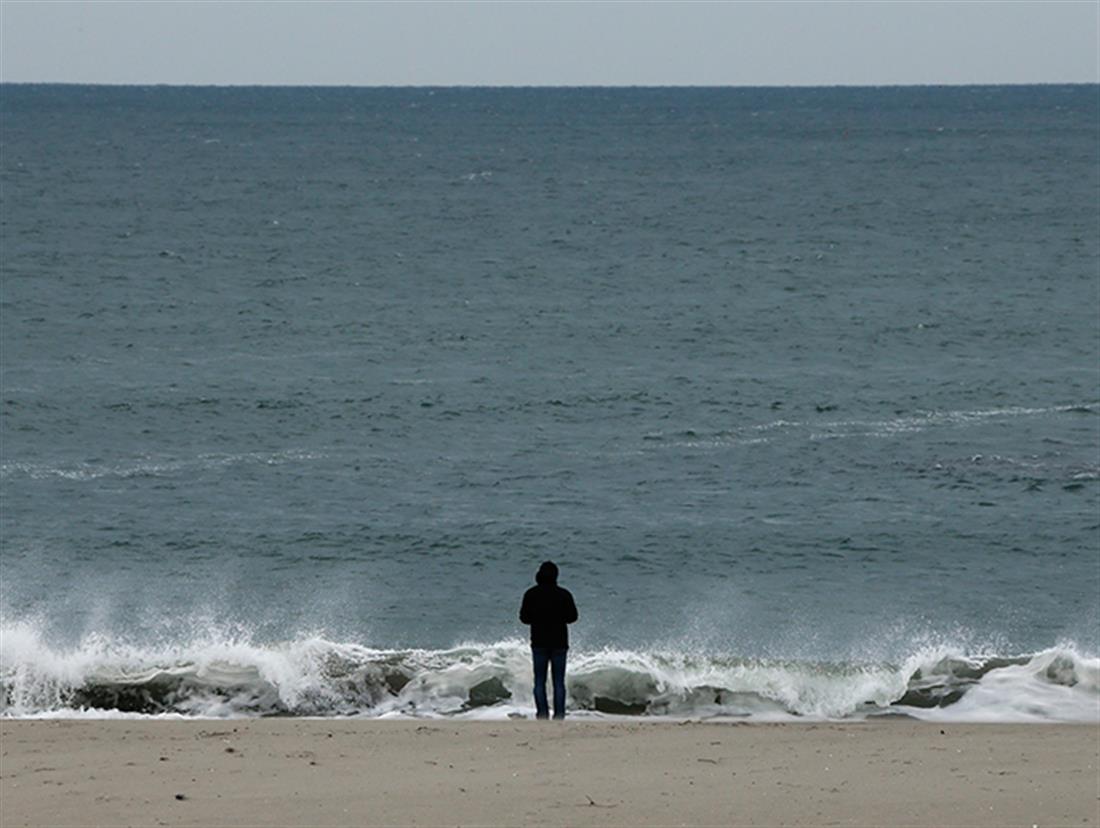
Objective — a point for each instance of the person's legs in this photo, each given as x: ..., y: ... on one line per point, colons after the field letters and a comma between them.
x: 557, y: 668
x: 541, y: 658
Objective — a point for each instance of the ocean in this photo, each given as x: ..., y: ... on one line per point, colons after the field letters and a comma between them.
x: 800, y: 388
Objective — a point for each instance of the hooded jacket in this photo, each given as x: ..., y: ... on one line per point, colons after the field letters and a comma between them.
x: 548, y: 608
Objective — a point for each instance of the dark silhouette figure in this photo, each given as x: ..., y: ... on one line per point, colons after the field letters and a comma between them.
x: 548, y: 608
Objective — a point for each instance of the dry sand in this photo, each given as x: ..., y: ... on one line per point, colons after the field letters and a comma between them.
x: 277, y: 772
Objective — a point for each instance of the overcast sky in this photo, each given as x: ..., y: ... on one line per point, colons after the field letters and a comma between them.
x: 550, y: 43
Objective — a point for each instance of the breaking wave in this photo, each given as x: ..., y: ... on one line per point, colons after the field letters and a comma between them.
x: 312, y: 676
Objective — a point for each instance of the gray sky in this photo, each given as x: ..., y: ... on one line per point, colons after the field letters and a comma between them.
x: 550, y: 43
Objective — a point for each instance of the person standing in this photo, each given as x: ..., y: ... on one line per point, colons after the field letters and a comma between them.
x: 548, y: 609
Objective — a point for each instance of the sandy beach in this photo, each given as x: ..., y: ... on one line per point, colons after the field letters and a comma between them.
x: 278, y: 772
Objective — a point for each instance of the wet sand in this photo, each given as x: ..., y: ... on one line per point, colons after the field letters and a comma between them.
x: 282, y: 772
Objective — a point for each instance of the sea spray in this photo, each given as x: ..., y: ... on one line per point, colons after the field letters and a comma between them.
x: 312, y: 676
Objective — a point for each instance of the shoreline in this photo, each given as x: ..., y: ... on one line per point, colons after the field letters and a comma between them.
x: 296, y: 771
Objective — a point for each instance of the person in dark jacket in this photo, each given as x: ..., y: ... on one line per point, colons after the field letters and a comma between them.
x: 548, y: 609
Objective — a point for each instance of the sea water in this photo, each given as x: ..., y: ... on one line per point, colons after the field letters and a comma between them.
x: 799, y: 388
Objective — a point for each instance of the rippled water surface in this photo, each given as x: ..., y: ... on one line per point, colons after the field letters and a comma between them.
x: 771, y: 374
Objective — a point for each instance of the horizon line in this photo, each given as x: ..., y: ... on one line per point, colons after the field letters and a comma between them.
x: 267, y: 85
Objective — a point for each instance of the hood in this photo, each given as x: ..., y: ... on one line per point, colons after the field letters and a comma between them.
x: 547, y: 574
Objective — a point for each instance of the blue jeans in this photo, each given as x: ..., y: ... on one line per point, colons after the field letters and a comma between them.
x: 555, y: 659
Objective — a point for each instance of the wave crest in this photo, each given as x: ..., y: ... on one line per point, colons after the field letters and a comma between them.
x: 313, y: 676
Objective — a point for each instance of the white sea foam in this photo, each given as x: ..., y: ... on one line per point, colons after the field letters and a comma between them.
x: 312, y: 676
x: 154, y: 467
x: 834, y: 429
